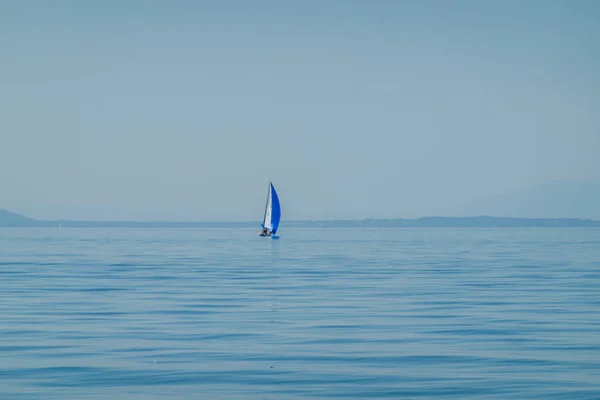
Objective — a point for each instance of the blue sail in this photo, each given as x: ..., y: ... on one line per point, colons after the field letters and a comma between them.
x: 275, y: 210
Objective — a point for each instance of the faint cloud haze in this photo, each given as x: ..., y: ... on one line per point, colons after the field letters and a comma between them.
x: 184, y: 110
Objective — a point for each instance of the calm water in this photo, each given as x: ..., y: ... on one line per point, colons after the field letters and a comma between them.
x: 325, y: 314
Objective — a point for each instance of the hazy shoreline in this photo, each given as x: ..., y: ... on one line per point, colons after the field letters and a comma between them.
x: 9, y: 219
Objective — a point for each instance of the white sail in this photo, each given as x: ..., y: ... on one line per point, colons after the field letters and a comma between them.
x: 267, y: 221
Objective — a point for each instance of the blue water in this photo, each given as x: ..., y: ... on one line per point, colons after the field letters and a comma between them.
x: 318, y: 314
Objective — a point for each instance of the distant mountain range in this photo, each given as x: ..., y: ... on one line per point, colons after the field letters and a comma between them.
x: 555, y: 204
x: 557, y: 199
x: 10, y: 219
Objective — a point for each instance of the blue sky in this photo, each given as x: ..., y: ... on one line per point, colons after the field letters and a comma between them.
x: 185, y: 109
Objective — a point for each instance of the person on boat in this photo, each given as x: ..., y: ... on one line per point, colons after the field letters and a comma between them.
x: 265, y: 232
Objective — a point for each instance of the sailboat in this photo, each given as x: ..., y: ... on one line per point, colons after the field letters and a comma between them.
x: 272, y: 214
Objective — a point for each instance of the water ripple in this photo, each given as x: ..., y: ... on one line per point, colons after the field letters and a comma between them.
x: 354, y: 314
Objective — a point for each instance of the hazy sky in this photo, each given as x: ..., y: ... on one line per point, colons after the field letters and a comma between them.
x: 375, y: 108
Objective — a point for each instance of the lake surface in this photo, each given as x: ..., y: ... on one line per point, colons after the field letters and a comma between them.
x: 319, y: 314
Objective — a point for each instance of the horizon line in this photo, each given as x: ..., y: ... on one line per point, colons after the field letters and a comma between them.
x: 347, y: 220
x: 191, y: 221
x: 364, y: 219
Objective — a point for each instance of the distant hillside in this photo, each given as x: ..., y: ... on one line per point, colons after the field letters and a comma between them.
x: 558, y: 199
x: 452, y: 222
x: 8, y: 219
